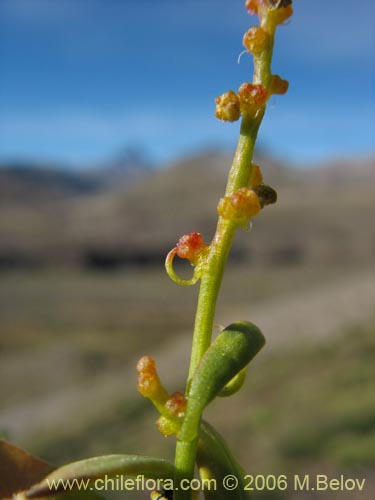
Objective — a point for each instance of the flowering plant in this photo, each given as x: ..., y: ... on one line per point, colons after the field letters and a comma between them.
x: 218, y: 367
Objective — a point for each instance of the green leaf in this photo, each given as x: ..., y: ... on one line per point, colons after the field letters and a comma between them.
x: 101, y: 467
x: 230, y: 352
x: 215, y: 462
x: 234, y: 385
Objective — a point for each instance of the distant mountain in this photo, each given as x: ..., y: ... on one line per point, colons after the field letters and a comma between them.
x: 82, y: 220
x: 128, y: 166
x: 34, y: 184
x: 22, y: 184
x: 345, y: 171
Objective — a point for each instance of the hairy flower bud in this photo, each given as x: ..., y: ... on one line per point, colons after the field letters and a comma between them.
x: 176, y: 404
x: 255, y: 40
x: 252, y: 97
x: 174, y: 410
x: 228, y: 107
x: 146, y: 364
x: 191, y: 246
x: 167, y: 427
x: 246, y: 202
x: 278, y: 85
x: 243, y: 203
x: 149, y: 384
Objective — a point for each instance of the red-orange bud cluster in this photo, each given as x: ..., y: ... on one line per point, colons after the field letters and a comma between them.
x: 255, y: 40
x: 191, y: 246
x: 278, y: 85
x: 252, y: 97
x: 176, y: 404
x: 228, y: 107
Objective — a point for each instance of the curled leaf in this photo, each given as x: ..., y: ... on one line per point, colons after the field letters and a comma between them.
x: 172, y: 273
x: 230, y: 352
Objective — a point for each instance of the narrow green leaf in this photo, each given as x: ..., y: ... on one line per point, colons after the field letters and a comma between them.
x: 218, y: 468
x: 100, y: 467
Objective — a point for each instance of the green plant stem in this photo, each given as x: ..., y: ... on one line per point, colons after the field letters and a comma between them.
x: 213, y: 270
x: 211, y: 281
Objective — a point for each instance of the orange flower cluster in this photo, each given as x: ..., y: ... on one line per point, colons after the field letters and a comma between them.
x: 190, y: 247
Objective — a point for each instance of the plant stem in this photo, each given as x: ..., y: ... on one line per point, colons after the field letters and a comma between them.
x: 211, y: 281
x: 213, y: 270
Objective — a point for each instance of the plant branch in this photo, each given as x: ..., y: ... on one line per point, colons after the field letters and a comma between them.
x: 214, y: 265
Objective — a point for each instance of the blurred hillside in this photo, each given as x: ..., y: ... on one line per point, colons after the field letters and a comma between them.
x: 128, y: 214
x: 70, y: 334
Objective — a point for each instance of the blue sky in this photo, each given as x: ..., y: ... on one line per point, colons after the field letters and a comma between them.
x: 83, y: 79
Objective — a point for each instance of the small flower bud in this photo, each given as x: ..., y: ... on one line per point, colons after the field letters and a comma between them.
x: 146, y: 364
x: 255, y: 40
x: 176, y: 405
x: 174, y: 410
x: 256, y: 177
x: 243, y: 203
x: 252, y: 97
x: 246, y: 202
x: 191, y: 246
x: 252, y: 6
x: 149, y: 384
x: 228, y: 107
x: 167, y: 427
x: 278, y: 85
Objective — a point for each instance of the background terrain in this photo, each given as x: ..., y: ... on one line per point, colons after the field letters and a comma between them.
x: 83, y: 295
